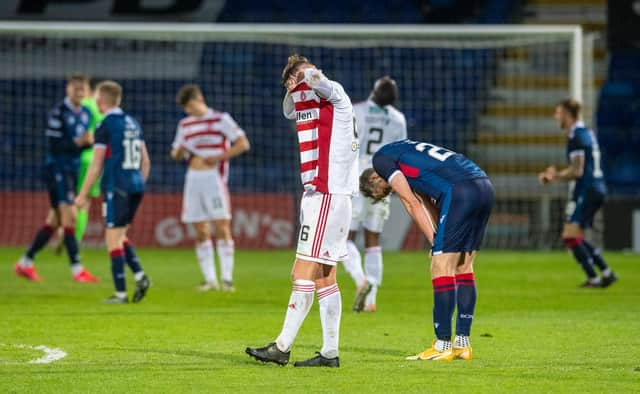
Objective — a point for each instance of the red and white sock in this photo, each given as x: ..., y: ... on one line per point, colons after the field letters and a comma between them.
x: 330, y: 313
x: 299, y: 305
x: 204, y: 251
x: 353, y: 263
x: 226, y: 252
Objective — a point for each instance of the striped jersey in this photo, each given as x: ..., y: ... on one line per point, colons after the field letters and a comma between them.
x: 208, y: 135
x: 377, y: 126
x: 326, y: 134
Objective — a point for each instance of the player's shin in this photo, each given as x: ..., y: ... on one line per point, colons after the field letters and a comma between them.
x: 42, y: 237
x: 466, y: 296
x: 204, y: 252
x: 117, y: 271
x: 582, y: 256
x: 132, y: 260
x: 226, y: 254
x: 444, y: 297
x: 330, y: 302
x: 353, y: 264
x: 71, y: 244
x: 373, y: 270
x: 299, y: 305
x: 82, y: 220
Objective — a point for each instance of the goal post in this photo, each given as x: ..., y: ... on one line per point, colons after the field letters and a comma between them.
x: 487, y: 91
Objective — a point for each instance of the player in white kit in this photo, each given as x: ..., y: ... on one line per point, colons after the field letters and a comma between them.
x: 329, y: 170
x: 208, y: 139
x: 379, y: 123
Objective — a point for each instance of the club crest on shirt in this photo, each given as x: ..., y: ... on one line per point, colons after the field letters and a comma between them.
x: 303, y: 96
x: 354, y: 146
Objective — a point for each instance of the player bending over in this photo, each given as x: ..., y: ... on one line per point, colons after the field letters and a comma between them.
x: 435, y: 182
x: 208, y: 139
x: 66, y: 135
x: 379, y: 123
x: 587, y: 191
x: 329, y: 171
x: 120, y: 150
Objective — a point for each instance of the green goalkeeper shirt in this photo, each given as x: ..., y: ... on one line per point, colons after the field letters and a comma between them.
x: 96, y: 115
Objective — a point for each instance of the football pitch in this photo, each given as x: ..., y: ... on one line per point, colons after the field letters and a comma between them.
x: 534, y: 331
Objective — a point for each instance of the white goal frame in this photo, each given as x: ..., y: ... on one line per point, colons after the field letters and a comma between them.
x: 286, y: 32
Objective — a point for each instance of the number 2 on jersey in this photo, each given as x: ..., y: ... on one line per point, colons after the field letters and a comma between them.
x: 437, y: 152
x: 370, y: 149
x: 132, y: 154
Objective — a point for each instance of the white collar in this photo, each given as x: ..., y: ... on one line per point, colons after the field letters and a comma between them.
x: 69, y: 104
x: 114, y: 111
x: 578, y: 124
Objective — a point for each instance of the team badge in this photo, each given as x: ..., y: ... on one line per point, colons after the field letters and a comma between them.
x: 303, y: 96
x: 354, y: 146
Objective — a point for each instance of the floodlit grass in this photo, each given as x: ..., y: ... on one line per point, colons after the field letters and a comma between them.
x: 535, y: 331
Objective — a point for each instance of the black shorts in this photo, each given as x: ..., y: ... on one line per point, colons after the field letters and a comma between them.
x: 464, y: 213
x: 120, y: 208
x: 584, y: 206
x: 61, y: 183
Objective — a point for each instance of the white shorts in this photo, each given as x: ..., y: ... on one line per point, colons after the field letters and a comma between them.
x: 324, y: 227
x: 205, y: 198
x: 368, y: 214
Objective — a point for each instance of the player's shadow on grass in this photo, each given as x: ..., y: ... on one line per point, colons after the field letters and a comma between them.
x: 233, y: 357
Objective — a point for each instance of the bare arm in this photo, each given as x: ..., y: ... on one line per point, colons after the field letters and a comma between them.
x: 177, y: 154
x: 574, y: 171
x: 86, y: 139
x: 145, y: 163
x: 413, y: 206
x: 239, y: 146
x: 92, y: 174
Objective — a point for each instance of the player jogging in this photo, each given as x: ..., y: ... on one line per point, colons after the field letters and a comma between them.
x: 587, y: 191
x: 434, y: 182
x: 66, y: 134
x: 329, y: 171
x: 120, y: 150
x: 379, y: 123
x: 86, y: 157
x: 208, y: 139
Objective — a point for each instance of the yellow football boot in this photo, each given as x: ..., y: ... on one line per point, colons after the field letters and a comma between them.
x: 463, y: 353
x: 433, y: 354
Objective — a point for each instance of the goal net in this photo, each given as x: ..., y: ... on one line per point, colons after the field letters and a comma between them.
x: 488, y: 92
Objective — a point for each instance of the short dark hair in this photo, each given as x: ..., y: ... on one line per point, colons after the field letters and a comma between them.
x: 78, y: 77
x: 293, y: 62
x: 385, y: 91
x: 572, y: 106
x: 187, y: 93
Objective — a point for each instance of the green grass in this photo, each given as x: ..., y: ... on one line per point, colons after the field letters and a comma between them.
x: 534, y: 330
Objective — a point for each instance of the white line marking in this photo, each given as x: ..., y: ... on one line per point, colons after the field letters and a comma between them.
x: 50, y: 354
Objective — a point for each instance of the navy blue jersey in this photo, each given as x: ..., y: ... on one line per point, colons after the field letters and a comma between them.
x: 429, y: 169
x: 64, y: 125
x: 582, y: 141
x: 122, y: 136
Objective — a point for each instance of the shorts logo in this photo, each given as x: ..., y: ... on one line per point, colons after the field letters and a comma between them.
x: 292, y: 306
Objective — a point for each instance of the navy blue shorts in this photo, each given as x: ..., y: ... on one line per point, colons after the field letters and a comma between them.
x: 584, y: 206
x: 464, y: 213
x: 120, y: 208
x: 61, y: 183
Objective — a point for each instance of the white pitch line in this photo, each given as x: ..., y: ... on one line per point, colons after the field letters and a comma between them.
x: 50, y: 354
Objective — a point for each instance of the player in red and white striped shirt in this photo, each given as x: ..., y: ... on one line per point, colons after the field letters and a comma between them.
x: 208, y: 139
x: 329, y: 171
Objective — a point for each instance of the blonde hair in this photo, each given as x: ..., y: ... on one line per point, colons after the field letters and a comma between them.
x: 111, y: 91
x: 293, y: 62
